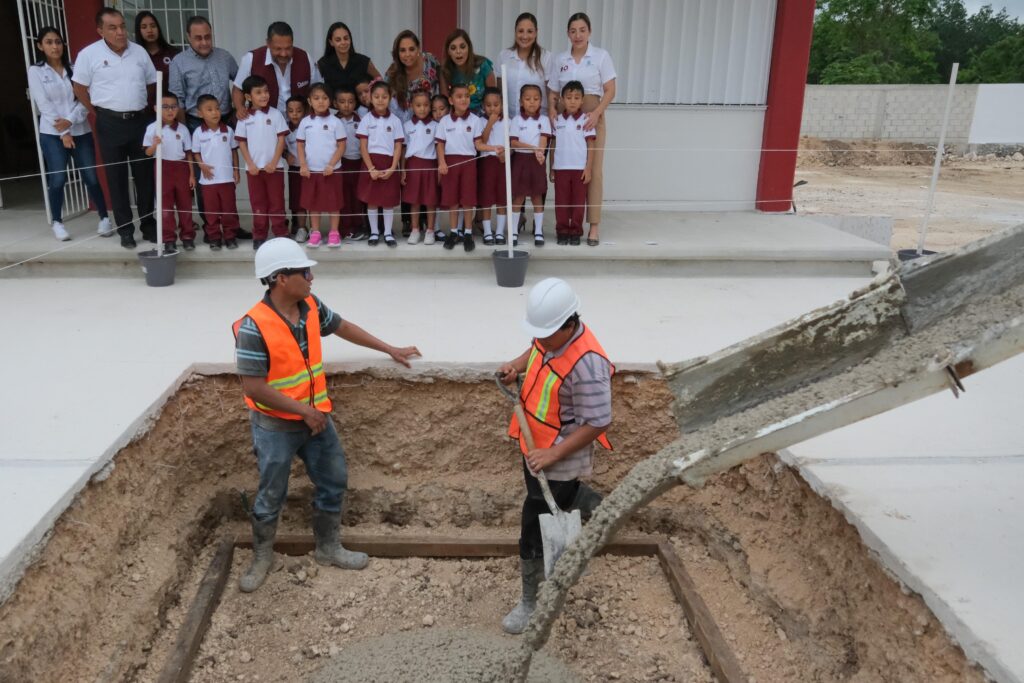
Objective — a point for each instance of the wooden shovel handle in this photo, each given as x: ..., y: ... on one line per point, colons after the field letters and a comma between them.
x: 524, y: 427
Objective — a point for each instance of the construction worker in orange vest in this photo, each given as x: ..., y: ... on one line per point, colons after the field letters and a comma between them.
x: 566, y: 395
x: 279, y: 359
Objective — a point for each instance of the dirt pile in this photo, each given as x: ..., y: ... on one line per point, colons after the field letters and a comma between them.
x: 818, y: 152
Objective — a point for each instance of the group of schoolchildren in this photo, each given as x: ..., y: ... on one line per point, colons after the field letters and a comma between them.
x: 349, y: 157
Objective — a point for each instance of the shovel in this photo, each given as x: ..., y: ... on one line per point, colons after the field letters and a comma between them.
x: 560, y: 528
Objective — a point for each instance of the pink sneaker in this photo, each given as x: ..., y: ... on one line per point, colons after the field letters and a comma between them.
x: 314, y: 240
x: 334, y: 240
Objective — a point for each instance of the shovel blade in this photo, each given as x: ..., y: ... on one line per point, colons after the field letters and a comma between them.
x: 556, y: 533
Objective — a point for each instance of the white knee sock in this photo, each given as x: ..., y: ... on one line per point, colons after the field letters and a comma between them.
x: 389, y: 219
x: 514, y: 223
x: 487, y: 226
x: 371, y: 214
x: 501, y: 224
x: 538, y: 223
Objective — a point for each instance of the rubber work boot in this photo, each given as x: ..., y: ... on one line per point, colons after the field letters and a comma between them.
x: 263, y: 534
x: 532, y: 572
x: 586, y: 501
x: 329, y: 550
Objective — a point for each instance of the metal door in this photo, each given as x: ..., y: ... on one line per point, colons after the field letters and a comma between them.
x: 33, y: 15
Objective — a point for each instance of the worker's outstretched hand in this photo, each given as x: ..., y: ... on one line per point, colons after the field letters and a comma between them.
x: 315, y: 420
x: 404, y: 354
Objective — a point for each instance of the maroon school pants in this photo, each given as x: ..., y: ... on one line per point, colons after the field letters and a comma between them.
x: 353, y: 211
x: 176, y: 195
x: 570, y: 202
x: 221, y: 213
x: 266, y: 194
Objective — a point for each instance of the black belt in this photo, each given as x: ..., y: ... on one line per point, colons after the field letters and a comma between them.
x: 124, y: 115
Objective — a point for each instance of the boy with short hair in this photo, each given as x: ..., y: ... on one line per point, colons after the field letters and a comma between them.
x: 261, y: 138
x: 571, y: 163
x: 351, y: 164
x: 457, y: 135
x: 178, y: 180
x: 215, y: 150
x: 296, y: 111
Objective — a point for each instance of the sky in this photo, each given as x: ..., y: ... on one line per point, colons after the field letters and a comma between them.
x: 1014, y: 7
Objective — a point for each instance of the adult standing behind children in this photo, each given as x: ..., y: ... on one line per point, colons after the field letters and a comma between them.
x: 525, y: 62
x: 114, y: 78
x: 288, y: 70
x: 412, y: 70
x: 275, y: 342
x: 341, y: 66
x: 592, y: 66
x: 150, y: 35
x: 462, y: 66
x: 63, y: 130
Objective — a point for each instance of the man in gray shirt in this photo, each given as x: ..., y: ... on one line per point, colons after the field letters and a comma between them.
x: 202, y: 69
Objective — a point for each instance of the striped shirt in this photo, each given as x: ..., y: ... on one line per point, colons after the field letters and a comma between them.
x: 252, y: 359
x: 585, y: 398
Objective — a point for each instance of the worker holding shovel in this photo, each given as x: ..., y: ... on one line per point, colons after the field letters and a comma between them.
x: 279, y: 359
x: 566, y: 400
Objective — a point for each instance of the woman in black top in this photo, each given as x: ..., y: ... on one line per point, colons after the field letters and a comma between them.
x: 341, y: 65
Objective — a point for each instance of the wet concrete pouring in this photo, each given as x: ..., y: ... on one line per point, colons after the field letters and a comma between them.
x: 796, y: 594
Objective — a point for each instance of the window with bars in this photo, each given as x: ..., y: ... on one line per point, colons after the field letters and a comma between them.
x: 172, y: 15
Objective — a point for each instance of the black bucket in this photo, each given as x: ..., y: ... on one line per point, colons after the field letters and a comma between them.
x: 159, y: 270
x: 511, y: 272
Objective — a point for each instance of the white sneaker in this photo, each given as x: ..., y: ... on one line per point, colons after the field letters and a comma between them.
x: 429, y: 237
x: 414, y: 237
x: 105, y: 229
x: 302, y: 235
x: 60, y: 232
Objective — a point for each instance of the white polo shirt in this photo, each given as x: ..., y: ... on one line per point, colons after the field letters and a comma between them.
x: 291, y: 145
x: 497, y: 136
x: 321, y: 135
x: 351, y: 124
x: 381, y: 133
x: 593, y: 71
x: 571, y: 142
x: 115, y: 81
x: 529, y: 129
x: 284, y: 80
x: 419, y: 138
x: 174, y: 140
x: 261, y: 131
x: 215, y: 148
x: 520, y: 73
x: 55, y: 99
x: 459, y: 135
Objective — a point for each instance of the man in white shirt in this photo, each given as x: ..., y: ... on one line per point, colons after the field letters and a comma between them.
x: 114, y: 78
x: 287, y: 69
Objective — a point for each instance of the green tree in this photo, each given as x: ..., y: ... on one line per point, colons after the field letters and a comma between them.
x: 1002, y: 62
x: 963, y: 37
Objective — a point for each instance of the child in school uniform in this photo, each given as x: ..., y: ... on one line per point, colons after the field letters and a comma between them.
x: 215, y: 150
x: 528, y: 137
x: 439, y: 108
x: 296, y: 111
x: 363, y: 96
x: 351, y: 163
x: 261, y: 139
x: 490, y: 181
x: 571, y: 163
x: 380, y: 140
x: 419, y: 172
x: 321, y: 143
x: 178, y: 180
x: 457, y: 135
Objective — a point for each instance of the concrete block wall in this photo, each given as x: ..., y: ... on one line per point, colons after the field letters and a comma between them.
x: 888, y: 112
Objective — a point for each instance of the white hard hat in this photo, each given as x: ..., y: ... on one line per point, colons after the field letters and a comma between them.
x: 278, y: 254
x: 548, y: 305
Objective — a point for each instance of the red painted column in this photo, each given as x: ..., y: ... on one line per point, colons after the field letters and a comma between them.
x: 791, y: 52
x: 438, y: 19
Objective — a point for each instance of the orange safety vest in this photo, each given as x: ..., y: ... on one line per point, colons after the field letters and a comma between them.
x: 294, y: 375
x: 539, y: 393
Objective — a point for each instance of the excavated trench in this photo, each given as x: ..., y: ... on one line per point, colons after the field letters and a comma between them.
x: 796, y: 594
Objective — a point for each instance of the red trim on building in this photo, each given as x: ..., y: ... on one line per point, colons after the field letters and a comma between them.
x: 791, y: 52
x: 438, y: 18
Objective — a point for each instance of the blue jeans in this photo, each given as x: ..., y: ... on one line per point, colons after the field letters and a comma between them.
x: 56, y: 156
x: 324, y: 460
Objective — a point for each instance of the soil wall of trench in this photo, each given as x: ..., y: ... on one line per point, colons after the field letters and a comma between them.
x: 791, y: 585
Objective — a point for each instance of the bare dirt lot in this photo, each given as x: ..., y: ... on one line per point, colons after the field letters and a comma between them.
x: 795, y: 593
x: 972, y: 199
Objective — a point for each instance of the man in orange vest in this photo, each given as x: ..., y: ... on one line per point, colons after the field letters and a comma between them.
x: 279, y: 359
x: 566, y: 395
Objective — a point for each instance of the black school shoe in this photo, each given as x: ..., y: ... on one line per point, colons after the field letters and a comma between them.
x: 256, y: 244
x: 489, y: 240
x: 390, y: 241
x: 216, y: 245
x: 574, y: 240
x: 242, y: 234
x: 127, y: 241
x: 451, y: 239
x: 188, y: 245
x: 538, y: 240
x: 467, y: 243
x: 231, y: 243
x: 170, y: 247
x: 374, y: 239
x: 562, y: 240
x: 500, y: 239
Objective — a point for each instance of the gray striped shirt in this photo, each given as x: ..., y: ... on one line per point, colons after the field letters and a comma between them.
x: 191, y: 76
x: 585, y: 398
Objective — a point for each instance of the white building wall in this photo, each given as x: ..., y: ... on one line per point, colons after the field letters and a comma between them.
x: 998, y: 114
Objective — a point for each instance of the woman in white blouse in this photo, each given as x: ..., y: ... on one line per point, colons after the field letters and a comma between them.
x: 64, y: 132
x: 591, y: 66
x: 526, y: 62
